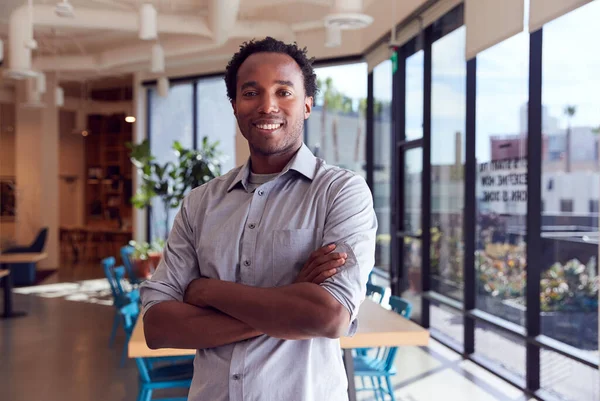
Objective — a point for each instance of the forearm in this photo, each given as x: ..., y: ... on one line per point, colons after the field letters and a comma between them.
x: 173, y: 324
x: 298, y: 311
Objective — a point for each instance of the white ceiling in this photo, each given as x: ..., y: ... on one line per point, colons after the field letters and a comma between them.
x: 92, y: 52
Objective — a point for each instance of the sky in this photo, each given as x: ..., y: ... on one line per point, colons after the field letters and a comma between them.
x: 571, y: 62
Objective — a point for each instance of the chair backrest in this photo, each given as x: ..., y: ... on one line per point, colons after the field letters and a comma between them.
x: 401, y: 306
x: 126, y: 253
x: 114, y: 275
x: 387, y: 355
x: 375, y: 292
x: 40, y: 241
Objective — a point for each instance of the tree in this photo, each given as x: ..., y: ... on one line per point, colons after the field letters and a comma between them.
x: 570, y: 112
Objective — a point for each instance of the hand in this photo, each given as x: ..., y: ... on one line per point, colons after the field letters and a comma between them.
x: 322, y: 264
x: 194, y: 292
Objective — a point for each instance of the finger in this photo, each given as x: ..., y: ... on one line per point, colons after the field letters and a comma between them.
x: 326, y: 258
x: 319, y: 252
x: 324, y: 276
x: 324, y: 250
x: 332, y: 264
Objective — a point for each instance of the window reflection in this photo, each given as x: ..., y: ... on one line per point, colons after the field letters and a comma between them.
x: 501, y: 179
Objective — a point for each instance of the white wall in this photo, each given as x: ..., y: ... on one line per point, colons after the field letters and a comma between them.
x: 72, y: 172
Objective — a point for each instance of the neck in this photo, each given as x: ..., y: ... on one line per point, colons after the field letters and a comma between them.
x: 270, y: 164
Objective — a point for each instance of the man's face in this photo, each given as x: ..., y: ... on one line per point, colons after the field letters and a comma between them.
x: 271, y: 104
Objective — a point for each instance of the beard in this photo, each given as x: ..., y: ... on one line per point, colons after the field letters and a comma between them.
x: 286, y: 141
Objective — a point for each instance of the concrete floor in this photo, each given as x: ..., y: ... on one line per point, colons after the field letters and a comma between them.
x: 59, y: 351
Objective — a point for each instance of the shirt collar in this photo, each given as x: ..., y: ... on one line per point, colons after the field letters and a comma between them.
x: 303, y: 162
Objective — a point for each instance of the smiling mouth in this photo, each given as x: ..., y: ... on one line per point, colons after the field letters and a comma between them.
x: 268, y: 127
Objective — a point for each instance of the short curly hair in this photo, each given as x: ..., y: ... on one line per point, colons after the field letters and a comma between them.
x: 271, y: 45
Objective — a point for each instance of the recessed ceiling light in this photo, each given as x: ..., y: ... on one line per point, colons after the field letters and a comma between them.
x: 130, y: 119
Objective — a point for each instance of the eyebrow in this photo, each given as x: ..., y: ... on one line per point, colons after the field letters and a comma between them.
x: 286, y: 83
x: 254, y: 84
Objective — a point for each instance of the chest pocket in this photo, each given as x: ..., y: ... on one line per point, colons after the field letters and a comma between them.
x: 291, y: 249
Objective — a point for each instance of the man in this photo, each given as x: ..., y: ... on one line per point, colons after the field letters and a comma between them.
x: 240, y: 280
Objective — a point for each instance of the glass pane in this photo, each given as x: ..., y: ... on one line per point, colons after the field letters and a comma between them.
x: 216, y: 120
x: 382, y: 135
x: 336, y: 127
x: 501, y: 348
x: 448, y: 322
x: 567, y: 379
x: 413, y: 174
x: 170, y: 121
x: 448, y: 98
x: 412, y: 269
x: 414, y: 96
x: 501, y: 181
x: 571, y: 178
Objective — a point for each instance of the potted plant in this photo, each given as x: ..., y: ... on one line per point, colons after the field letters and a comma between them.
x: 171, y: 181
x: 145, y: 257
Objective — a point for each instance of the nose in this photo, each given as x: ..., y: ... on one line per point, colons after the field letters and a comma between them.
x: 268, y: 104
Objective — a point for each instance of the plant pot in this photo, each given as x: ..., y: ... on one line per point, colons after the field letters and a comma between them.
x: 145, y: 267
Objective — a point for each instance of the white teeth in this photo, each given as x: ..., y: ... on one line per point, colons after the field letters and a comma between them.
x: 268, y: 126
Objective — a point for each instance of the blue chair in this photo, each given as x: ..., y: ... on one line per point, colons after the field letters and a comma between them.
x: 153, y: 375
x: 380, y: 368
x: 126, y: 253
x: 375, y: 292
x: 121, y: 298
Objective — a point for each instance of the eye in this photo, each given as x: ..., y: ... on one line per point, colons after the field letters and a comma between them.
x: 285, y: 93
x: 249, y: 94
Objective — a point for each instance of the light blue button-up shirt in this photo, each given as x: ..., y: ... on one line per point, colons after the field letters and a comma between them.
x: 263, y: 238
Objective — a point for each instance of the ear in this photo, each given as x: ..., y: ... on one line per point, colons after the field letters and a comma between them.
x: 234, y: 108
x: 308, y: 104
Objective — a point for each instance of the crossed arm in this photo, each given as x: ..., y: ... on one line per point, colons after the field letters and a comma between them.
x: 216, y: 313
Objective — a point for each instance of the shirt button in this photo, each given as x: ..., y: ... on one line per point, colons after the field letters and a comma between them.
x: 246, y: 263
x: 261, y: 192
x: 251, y: 226
x: 237, y: 377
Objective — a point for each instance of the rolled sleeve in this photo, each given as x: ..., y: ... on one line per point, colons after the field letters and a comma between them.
x: 178, y: 266
x: 352, y: 225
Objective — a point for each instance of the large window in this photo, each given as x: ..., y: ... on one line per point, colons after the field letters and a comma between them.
x: 501, y: 189
x: 216, y: 120
x: 448, y: 92
x: 336, y: 127
x: 570, y: 161
x: 170, y: 120
x: 382, y: 139
x: 414, y: 96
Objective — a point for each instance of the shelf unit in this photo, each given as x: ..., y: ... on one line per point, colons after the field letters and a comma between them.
x: 108, y: 181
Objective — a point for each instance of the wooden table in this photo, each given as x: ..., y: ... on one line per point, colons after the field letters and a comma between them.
x: 32, y: 257
x: 15, y: 258
x: 377, y: 327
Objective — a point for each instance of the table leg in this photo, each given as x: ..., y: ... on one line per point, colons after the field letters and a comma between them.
x: 349, y: 363
x: 8, y: 312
